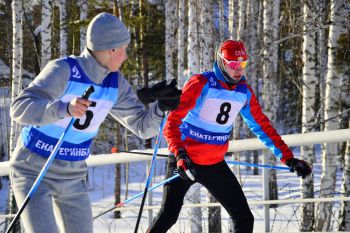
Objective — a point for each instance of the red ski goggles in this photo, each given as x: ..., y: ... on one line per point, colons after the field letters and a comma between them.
x: 235, y: 64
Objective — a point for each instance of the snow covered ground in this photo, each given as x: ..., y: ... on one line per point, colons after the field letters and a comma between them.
x: 285, y: 218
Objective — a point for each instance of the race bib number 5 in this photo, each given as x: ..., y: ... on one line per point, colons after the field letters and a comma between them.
x: 94, y: 116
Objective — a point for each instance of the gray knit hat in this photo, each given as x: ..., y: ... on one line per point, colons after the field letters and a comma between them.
x: 106, y: 31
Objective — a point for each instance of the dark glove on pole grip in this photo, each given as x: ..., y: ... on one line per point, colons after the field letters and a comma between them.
x: 88, y: 92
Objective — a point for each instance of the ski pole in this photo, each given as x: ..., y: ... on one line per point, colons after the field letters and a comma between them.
x: 47, y: 164
x: 120, y: 204
x: 258, y: 165
x: 141, y: 153
x: 228, y: 161
x: 150, y: 173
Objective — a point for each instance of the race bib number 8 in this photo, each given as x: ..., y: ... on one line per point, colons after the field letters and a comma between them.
x: 218, y: 111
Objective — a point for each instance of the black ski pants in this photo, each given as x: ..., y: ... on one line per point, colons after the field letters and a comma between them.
x: 219, y: 180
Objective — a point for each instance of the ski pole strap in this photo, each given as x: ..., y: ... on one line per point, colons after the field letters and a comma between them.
x: 257, y: 165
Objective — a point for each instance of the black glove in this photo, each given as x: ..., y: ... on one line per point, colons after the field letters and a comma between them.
x: 168, y: 104
x: 184, y: 165
x: 167, y: 94
x: 302, y: 168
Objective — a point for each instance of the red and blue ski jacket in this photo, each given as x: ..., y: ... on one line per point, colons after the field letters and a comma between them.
x: 204, y: 120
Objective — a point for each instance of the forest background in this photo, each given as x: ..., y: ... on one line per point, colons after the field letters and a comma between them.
x: 299, y: 68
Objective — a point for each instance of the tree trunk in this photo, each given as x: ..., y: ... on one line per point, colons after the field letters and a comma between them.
x: 192, y: 47
x: 206, y: 35
x: 117, y: 179
x: 207, y: 59
x: 332, y: 108
x: 193, y: 67
x: 322, y: 59
x: 181, y: 36
x: 253, y: 44
x: 63, y: 28
x: 270, y: 88
x: 242, y: 32
x: 252, y: 72
x: 233, y: 19
x: 308, y: 111
x: 195, y: 214
x: 83, y: 6
x: 170, y: 39
x: 344, y: 214
x: 46, y: 12
x: 214, y: 216
x: 17, y: 63
x: 225, y: 34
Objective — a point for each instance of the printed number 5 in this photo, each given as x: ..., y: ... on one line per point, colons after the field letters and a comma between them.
x: 223, y: 116
x: 89, y: 115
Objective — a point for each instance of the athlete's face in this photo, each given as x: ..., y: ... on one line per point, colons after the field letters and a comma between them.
x: 117, y: 57
x: 235, y: 74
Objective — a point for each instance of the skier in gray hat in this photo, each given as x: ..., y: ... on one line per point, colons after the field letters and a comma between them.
x: 61, y: 202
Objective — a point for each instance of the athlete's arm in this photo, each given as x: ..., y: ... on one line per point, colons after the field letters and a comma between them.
x: 131, y: 113
x: 190, y: 94
x: 39, y: 103
x: 262, y: 128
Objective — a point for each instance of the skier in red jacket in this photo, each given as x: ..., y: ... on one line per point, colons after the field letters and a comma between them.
x: 197, y: 133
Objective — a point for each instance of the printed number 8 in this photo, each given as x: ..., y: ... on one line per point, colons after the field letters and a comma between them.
x: 223, y: 116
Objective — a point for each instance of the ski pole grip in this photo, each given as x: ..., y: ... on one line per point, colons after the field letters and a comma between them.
x: 88, y: 92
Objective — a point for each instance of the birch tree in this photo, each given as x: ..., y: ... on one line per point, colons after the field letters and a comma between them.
x: 308, y: 109
x: 83, y: 6
x: 117, y: 11
x: 170, y: 45
x: 17, y: 63
x: 234, y: 26
x: 46, y: 12
x: 206, y: 35
x: 233, y: 19
x: 193, y: 68
x: 241, y: 32
x: 344, y: 213
x: 332, y: 107
x: 181, y: 35
x: 207, y: 58
x: 270, y: 88
x: 243, y: 35
x: 192, y: 38
x: 252, y: 46
x: 322, y: 57
x: 63, y: 27
x: 224, y: 20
